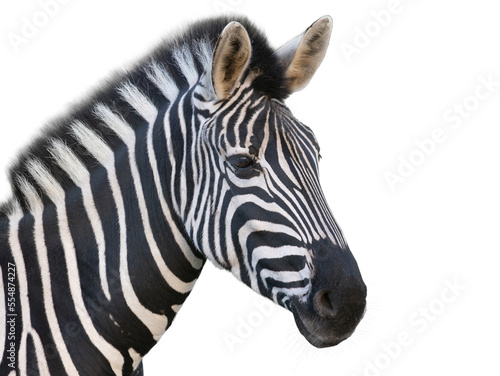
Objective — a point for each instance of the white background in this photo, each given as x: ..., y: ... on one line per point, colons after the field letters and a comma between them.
x: 439, y: 227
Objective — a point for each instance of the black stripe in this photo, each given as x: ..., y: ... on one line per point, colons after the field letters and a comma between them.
x: 84, y: 354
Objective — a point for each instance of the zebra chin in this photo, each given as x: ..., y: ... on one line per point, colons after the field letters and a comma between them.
x: 332, y: 325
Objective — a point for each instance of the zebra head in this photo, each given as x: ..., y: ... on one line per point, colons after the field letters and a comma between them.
x: 259, y: 210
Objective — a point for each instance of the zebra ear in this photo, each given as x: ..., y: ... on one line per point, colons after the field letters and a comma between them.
x: 302, y: 56
x: 231, y: 57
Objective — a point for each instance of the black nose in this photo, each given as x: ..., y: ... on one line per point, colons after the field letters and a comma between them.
x: 325, y: 303
x: 329, y: 303
x: 339, y: 293
x: 337, y: 300
x: 341, y: 306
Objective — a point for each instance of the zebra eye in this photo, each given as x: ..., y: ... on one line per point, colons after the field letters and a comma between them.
x: 241, y: 161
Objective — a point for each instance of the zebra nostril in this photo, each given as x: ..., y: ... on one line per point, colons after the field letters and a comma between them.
x: 325, y: 303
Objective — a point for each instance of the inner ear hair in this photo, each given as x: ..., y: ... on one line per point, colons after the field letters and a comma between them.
x: 231, y: 59
x: 308, y: 54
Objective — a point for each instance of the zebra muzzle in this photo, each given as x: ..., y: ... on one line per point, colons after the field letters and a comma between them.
x: 336, y: 304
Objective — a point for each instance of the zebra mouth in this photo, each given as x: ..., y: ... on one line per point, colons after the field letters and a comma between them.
x: 322, y: 331
x: 318, y: 335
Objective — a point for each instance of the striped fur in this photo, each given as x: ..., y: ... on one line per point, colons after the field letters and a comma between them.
x: 117, y: 208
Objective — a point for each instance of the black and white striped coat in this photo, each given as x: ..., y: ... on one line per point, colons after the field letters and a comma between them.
x: 190, y: 155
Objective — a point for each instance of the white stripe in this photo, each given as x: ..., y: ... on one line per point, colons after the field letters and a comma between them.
x: 283, y: 162
x: 301, y: 292
x: 306, y: 230
x: 75, y: 169
x: 313, y: 211
x: 316, y: 208
x: 138, y: 101
x: 309, y: 180
x: 200, y: 210
x: 126, y: 133
x: 239, y: 123
x: 272, y: 179
x: 182, y: 178
x: 136, y: 357
x: 163, y: 81
x: 57, y: 196
x: 217, y: 221
x: 255, y: 181
x: 170, y: 155
x: 194, y: 216
x: 234, y: 204
x: 176, y: 307
x: 204, y: 53
x: 236, y: 97
x: 266, y: 252
x: 243, y: 101
x: 3, y: 309
x: 149, y: 112
x: 69, y: 162
x: 42, y: 257
x: 43, y: 367
x: 194, y: 260
x: 311, y: 186
x: 289, y: 199
x: 284, y: 276
x: 253, y: 226
x: 22, y: 285
x: 251, y: 122
x: 154, y: 322
x: 184, y: 60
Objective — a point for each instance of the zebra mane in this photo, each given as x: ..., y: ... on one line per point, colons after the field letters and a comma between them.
x: 176, y: 63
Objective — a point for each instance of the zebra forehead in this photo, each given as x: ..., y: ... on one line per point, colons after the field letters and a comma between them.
x: 262, y: 119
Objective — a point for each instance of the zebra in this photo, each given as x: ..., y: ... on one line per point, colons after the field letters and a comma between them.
x: 189, y: 155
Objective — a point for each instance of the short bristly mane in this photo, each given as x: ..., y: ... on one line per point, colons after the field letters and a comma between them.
x: 199, y: 39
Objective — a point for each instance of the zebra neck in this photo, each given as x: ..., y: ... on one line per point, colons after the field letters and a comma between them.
x: 106, y: 264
